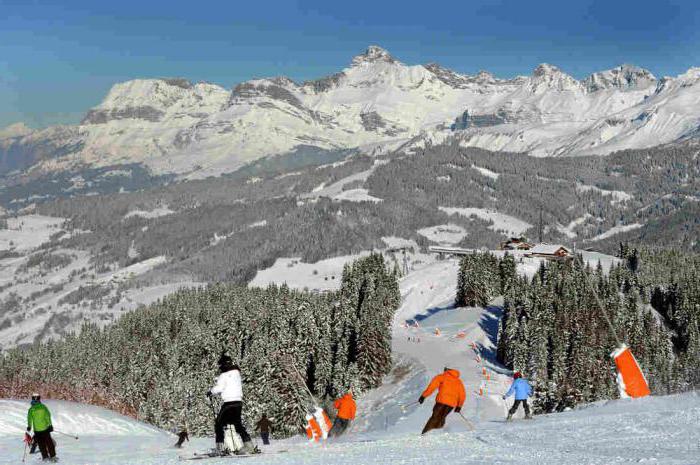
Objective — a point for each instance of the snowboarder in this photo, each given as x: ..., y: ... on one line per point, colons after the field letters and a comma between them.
x: 347, y: 409
x: 451, y: 395
x: 264, y: 425
x: 39, y: 419
x: 522, y: 390
x: 229, y: 386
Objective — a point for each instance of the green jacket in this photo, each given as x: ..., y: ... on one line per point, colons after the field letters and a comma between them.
x: 39, y: 418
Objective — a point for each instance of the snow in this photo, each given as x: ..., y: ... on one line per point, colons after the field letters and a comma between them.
x: 569, y: 230
x: 134, y: 270
x: 617, y: 196
x: 448, y: 234
x: 28, y: 232
x: 320, y: 276
x: 510, y: 225
x: 486, y: 172
x: 356, y: 195
x: 616, y: 230
x: 150, y: 214
x: 336, y: 189
x: 649, y: 430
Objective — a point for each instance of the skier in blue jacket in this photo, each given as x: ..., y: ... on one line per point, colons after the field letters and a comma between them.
x: 522, y: 390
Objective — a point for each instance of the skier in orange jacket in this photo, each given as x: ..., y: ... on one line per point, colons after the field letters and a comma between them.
x: 451, y: 395
x: 347, y: 409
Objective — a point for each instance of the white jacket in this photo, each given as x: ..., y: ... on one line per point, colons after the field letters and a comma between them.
x: 229, y: 386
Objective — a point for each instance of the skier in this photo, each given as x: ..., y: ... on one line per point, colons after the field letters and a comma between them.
x: 347, y: 409
x: 229, y: 386
x: 39, y: 419
x: 522, y: 390
x: 451, y: 395
x: 264, y: 426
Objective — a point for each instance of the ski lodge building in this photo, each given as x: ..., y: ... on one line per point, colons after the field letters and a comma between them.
x: 550, y: 252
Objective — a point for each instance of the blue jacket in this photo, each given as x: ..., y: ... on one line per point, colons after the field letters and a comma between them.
x: 521, y: 388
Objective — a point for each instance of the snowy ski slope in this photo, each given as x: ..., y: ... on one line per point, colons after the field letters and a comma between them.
x: 659, y: 430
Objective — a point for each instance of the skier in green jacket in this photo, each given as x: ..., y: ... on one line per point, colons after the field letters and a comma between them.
x: 39, y: 419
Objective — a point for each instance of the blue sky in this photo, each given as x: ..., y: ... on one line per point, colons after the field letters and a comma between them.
x: 57, y: 59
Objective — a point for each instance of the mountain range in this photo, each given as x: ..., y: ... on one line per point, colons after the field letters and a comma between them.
x: 376, y: 104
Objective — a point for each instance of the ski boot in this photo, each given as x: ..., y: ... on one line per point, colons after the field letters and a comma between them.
x: 220, y: 450
x: 248, y: 449
x: 528, y: 417
x: 509, y: 417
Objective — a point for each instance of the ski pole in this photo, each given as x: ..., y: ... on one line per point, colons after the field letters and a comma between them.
x: 404, y: 407
x: 469, y: 423
x: 66, y: 434
x: 24, y: 454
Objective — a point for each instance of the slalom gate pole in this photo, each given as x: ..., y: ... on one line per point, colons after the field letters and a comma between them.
x: 66, y: 434
x: 469, y: 423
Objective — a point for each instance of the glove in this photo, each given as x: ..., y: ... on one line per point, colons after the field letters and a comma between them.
x: 458, y: 409
x: 209, y: 394
x: 503, y: 397
x: 50, y: 430
x: 29, y: 429
x: 421, y: 399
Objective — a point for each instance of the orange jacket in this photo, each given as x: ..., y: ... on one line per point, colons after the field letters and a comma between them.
x: 346, y: 407
x: 450, y: 389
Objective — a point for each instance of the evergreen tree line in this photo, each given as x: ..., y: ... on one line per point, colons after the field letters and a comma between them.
x: 553, y: 331
x: 157, y: 362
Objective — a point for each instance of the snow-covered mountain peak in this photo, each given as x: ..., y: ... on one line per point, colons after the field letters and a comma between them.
x: 548, y: 77
x: 154, y: 99
x: 15, y: 130
x: 622, y: 77
x: 373, y: 54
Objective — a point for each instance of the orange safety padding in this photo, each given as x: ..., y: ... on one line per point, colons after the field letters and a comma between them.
x: 313, y: 430
x: 635, y: 382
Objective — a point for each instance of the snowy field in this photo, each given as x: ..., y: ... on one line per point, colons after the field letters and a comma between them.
x: 510, y: 225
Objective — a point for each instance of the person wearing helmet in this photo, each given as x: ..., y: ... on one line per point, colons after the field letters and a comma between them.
x: 230, y: 387
x: 522, y: 390
x: 451, y: 395
x: 39, y: 419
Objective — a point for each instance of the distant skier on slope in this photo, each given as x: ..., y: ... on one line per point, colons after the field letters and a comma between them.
x: 347, y: 410
x: 229, y: 386
x: 264, y: 425
x: 451, y: 395
x: 39, y: 419
x: 522, y: 390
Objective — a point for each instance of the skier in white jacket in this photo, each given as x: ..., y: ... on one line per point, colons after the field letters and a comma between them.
x: 229, y: 386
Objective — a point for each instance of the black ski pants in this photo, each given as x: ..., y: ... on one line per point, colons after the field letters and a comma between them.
x: 46, y: 446
x: 339, y: 427
x: 437, y: 419
x: 515, y: 406
x: 230, y: 414
x: 265, y: 436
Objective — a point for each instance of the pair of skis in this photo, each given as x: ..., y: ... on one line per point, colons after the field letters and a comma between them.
x: 216, y: 455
